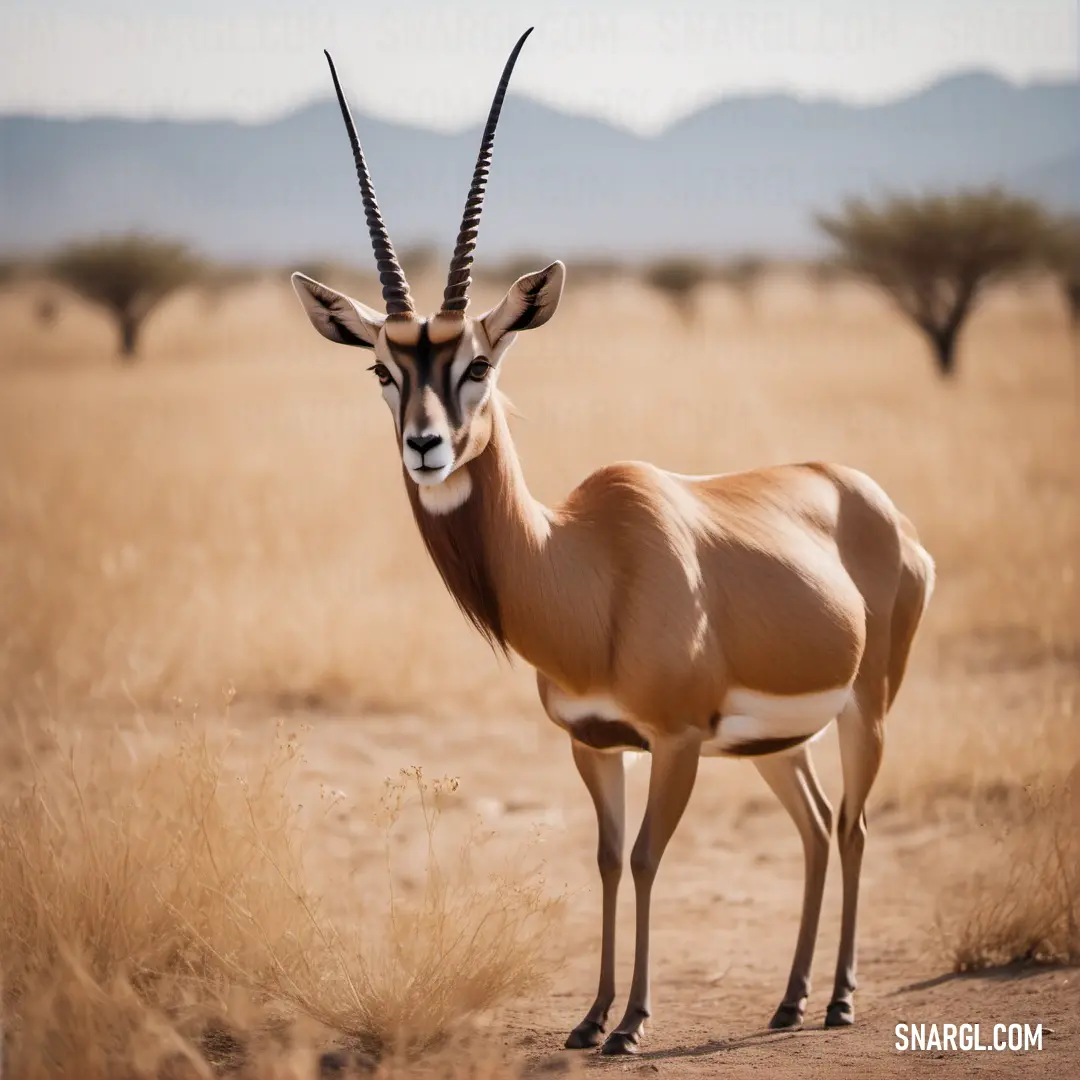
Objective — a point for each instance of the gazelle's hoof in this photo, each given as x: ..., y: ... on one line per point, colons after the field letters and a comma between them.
x: 839, y: 1014
x: 787, y: 1017
x: 619, y: 1043
x: 585, y: 1036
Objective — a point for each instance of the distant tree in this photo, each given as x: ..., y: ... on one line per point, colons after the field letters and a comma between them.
x: 744, y: 274
x: 824, y: 273
x: 579, y: 271
x: 16, y: 268
x: 419, y: 259
x: 679, y: 278
x: 218, y: 280
x: 503, y: 274
x: 1063, y: 261
x: 935, y: 255
x: 46, y: 309
x: 128, y: 276
x: 594, y: 270
x: 25, y: 270
x: 345, y: 276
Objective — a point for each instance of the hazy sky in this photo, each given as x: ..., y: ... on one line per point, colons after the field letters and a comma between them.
x: 637, y: 62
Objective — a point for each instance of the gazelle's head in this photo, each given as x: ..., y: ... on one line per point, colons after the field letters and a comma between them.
x: 437, y: 374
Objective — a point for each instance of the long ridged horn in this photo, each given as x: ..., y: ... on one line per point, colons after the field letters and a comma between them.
x: 456, y: 293
x: 395, y: 288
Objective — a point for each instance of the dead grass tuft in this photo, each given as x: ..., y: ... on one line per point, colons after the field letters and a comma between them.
x: 156, y: 906
x: 461, y: 945
x: 1023, y: 904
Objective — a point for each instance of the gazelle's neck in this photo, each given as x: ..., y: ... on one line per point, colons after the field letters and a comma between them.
x: 478, y: 520
x: 501, y: 554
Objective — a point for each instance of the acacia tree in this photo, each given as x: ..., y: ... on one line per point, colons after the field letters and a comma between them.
x: 743, y: 275
x: 1063, y: 261
x: 824, y: 273
x: 9, y: 270
x: 679, y: 279
x: 935, y: 255
x: 128, y: 276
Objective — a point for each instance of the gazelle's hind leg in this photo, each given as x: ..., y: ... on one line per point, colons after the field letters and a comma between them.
x: 795, y: 784
x: 862, y: 739
x: 861, y: 727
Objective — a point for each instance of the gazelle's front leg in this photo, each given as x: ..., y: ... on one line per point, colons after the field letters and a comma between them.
x: 674, y: 770
x: 604, y: 776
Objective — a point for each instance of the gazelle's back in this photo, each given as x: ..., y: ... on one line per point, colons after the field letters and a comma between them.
x: 755, y: 579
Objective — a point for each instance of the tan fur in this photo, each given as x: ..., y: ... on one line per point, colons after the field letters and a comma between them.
x: 663, y: 591
x: 733, y: 614
x: 445, y: 326
x: 653, y: 595
x: 649, y: 603
x: 403, y: 330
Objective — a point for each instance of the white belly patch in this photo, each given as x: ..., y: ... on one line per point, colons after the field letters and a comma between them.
x: 753, y: 723
x: 599, y: 721
x: 567, y: 708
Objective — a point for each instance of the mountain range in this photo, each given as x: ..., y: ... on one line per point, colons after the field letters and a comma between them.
x: 747, y: 173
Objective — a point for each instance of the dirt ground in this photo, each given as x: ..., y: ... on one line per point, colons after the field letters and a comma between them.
x: 212, y: 519
x: 725, y: 910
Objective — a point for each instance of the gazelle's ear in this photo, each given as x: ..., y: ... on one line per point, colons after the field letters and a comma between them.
x: 337, y: 316
x: 529, y: 302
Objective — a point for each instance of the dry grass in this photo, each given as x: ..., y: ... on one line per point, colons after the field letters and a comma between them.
x: 1023, y: 902
x: 162, y: 907
x: 231, y: 512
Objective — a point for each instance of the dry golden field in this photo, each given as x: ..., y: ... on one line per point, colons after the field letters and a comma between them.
x: 228, y: 518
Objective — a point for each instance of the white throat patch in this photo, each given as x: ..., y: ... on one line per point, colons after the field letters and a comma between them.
x: 454, y: 491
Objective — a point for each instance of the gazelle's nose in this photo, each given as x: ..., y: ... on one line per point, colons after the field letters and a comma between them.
x: 423, y: 443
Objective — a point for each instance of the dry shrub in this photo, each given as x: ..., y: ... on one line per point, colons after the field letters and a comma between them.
x: 161, y: 908
x: 1024, y: 902
x: 466, y: 942
x: 679, y: 279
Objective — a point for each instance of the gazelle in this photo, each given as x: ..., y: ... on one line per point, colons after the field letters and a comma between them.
x: 732, y: 615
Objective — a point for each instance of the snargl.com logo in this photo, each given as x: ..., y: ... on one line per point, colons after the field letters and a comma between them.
x: 1015, y: 1038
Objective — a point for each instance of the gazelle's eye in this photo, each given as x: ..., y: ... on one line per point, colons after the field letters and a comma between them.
x: 382, y: 374
x: 478, y: 370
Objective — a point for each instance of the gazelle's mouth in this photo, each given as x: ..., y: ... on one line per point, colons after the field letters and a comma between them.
x: 430, y: 475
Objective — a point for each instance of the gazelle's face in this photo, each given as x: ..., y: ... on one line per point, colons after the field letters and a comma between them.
x: 436, y: 375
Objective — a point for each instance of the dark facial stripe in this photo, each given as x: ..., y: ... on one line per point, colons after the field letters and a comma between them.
x: 406, y: 388
x: 423, y: 360
x: 450, y: 398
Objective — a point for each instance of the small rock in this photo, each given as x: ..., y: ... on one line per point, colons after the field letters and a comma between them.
x: 555, y: 1063
x: 333, y: 1063
x: 338, y: 1064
